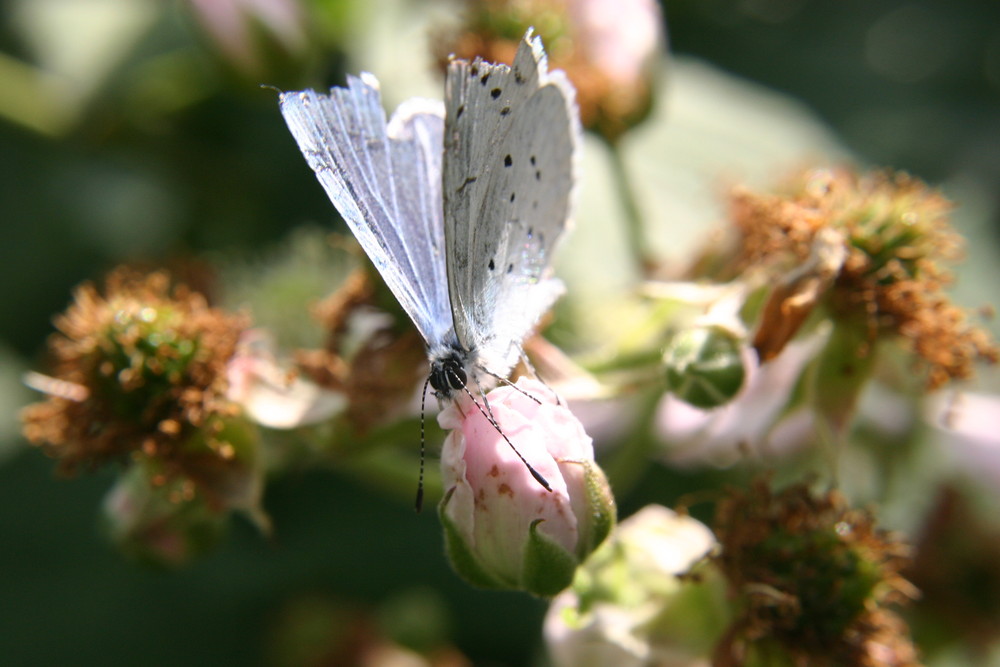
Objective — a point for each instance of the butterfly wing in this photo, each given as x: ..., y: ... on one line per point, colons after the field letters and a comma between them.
x: 385, y: 180
x: 509, y: 166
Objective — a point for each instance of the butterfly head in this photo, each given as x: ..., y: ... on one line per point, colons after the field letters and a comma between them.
x: 448, y: 371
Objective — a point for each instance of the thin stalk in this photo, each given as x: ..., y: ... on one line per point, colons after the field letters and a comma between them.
x: 634, y: 228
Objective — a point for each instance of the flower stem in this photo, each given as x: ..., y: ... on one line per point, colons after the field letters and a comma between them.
x: 634, y: 227
x: 837, y: 378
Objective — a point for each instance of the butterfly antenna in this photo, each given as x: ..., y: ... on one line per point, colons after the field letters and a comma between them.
x: 486, y: 412
x: 423, y: 441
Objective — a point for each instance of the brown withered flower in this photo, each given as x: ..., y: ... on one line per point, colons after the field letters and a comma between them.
x: 815, y: 580
x: 139, y: 370
x: 888, y: 276
x: 379, y: 368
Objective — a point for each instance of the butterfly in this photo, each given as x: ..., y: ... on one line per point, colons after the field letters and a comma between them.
x: 459, y: 206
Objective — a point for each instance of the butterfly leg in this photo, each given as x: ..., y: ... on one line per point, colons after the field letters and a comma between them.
x: 505, y: 381
x: 531, y: 370
x: 482, y: 395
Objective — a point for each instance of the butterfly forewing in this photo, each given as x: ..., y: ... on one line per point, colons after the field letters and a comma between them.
x: 385, y: 180
x: 510, y: 142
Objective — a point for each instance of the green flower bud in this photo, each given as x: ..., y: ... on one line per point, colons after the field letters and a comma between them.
x: 704, y: 366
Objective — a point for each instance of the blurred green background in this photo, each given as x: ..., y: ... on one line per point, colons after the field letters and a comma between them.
x: 128, y: 132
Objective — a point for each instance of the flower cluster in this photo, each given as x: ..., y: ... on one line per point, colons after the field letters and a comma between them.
x: 778, y: 338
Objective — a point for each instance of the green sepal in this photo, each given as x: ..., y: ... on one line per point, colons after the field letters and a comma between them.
x: 460, y: 555
x: 548, y: 567
x: 603, y: 511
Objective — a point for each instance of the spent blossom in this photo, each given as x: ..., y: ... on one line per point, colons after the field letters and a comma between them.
x: 140, y: 377
x: 141, y: 370
x: 364, y: 357
x: 503, y: 530
x: 816, y: 580
x: 888, y: 278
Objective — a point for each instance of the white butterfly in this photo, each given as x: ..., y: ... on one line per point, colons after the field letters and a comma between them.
x: 459, y: 207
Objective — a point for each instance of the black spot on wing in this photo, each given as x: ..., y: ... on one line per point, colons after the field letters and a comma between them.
x: 504, y: 111
x: 508, y: 161
x: 495, y: 93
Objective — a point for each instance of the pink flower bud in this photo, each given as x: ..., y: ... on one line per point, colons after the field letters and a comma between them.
x: 245, y: 30
x: 502, y: 528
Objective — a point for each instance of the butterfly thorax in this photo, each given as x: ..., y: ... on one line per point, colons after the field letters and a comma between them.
x: 448, y: 373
